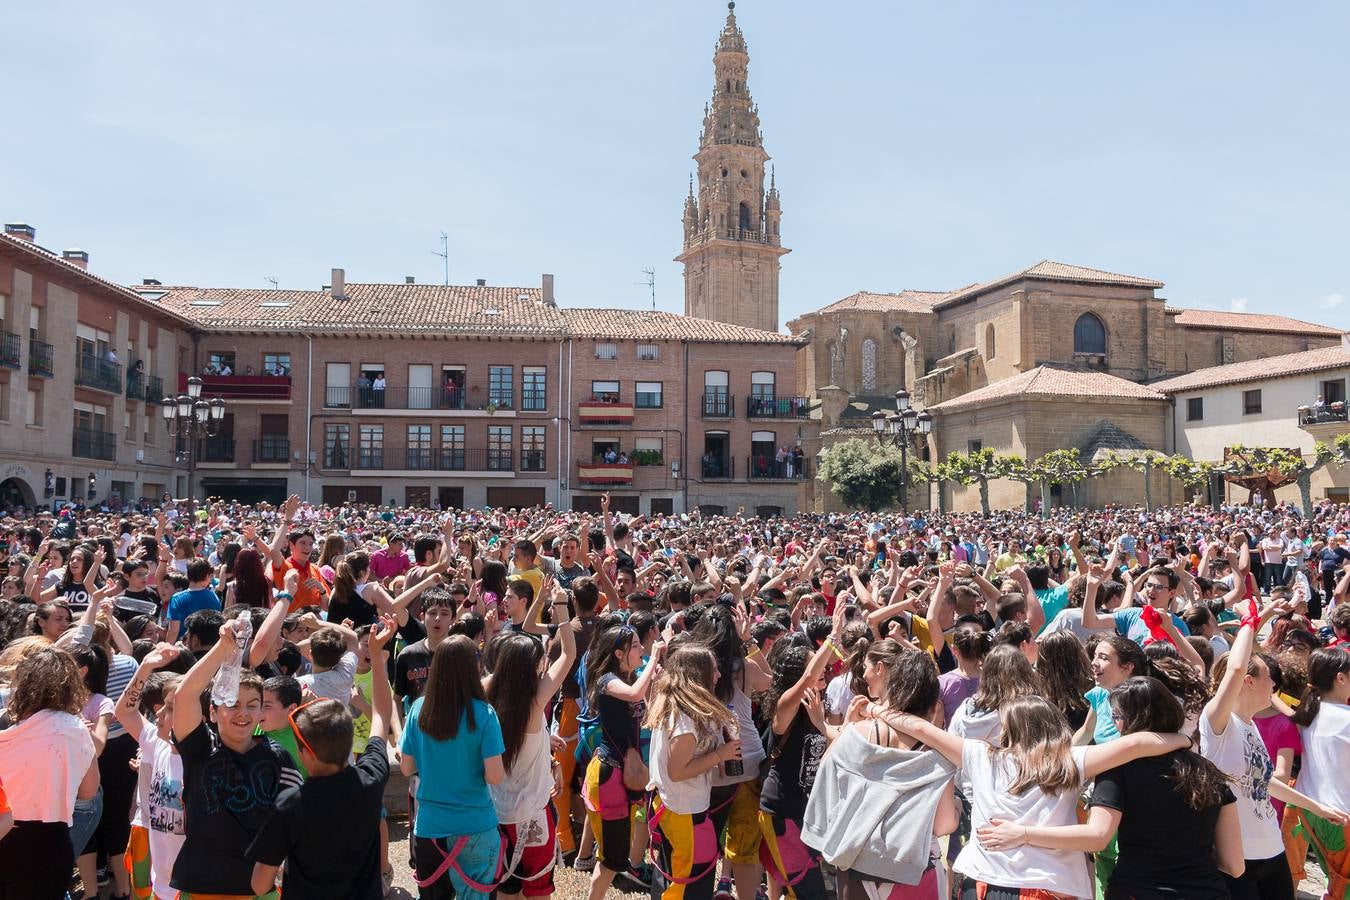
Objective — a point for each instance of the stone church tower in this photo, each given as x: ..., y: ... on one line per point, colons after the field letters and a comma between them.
x: 731, y: 240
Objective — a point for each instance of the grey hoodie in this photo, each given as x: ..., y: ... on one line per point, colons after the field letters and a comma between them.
x: 872, y: 808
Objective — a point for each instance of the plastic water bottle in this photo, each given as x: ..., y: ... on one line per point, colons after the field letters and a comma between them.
x: 225, y: 688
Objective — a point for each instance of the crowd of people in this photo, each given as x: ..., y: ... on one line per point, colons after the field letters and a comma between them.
x: 208, y: 702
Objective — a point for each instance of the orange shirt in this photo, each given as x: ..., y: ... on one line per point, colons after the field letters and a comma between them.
x: 305, y: 594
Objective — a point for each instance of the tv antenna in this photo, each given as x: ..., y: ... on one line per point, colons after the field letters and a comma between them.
x: 271, y: 280
x: 444, y: 254
x: 650, y: 283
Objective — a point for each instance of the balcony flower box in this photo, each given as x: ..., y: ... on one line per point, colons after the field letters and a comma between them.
x: 605, y: 473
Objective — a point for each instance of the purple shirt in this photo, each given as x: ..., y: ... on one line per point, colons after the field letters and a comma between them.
x: 955, y: 688
x: 384, y: 564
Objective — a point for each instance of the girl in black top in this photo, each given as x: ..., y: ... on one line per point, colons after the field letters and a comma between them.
x: 1177, y: 819
x: 799, y: 740
x: 616, y: 700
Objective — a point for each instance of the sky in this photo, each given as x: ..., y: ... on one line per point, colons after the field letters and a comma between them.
x: 917, y: 146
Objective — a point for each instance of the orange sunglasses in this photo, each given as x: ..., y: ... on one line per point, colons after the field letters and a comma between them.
x: 295, y: 729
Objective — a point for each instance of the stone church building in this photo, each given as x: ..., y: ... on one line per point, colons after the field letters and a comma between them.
x: 1051, y: 356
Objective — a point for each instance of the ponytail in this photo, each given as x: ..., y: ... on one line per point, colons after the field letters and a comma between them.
x: 1323, y: 667
x: 348, y: 568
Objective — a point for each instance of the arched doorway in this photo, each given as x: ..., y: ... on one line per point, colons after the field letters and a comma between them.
x: 15, y: 492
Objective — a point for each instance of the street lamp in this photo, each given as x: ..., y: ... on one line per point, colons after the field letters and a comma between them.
x: 191, y: 418
x: 901, y: 426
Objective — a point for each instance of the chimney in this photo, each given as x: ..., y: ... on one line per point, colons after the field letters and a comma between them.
x: 151, y: 282
x: 548, y: 291
x: 408, y: 279
x: 21, y: 230
x: 1345, y: 341
x: 76, y: 257
x: 338, y: 286
x: 482, y: 282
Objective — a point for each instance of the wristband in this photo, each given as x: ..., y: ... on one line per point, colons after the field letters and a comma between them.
x: 284, y: 594
x: 754, y: 651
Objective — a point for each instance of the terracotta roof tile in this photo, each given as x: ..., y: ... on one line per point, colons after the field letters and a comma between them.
x: 505, y: 311
x: 657, y: 325
x: 905, y: 301
x: 1257, y: 369
x: 1235, y: 321
x: 1048, y: 270
x: 1052, y: 381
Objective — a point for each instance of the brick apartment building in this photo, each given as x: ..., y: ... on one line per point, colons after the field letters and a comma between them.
x: 489, y: 396
x: 83, y: 366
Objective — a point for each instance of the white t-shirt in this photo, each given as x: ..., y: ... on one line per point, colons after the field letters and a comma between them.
x: 1241, y: 755
x: 1326, y: 748
x: 159, y: 786
x: 692, y: 795
x: 336, y: 683
x: 524, y: 792
x: 972, y: 724
x: 1065, y: 871
x: 839, y: 694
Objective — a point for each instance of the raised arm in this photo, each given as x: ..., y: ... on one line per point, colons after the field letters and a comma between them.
x: 1219, y: 710
x: 553, y: 680
x: 632, y: 693
x: 128, y: 710
x: 187, y: 709
x: 381, y: 694
x: 1092, y: 620
x: 267, y: 634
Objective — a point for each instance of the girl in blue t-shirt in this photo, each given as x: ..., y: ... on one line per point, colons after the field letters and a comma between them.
x: 453, y: 743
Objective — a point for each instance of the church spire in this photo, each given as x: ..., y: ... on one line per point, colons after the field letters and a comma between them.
x: 731, y: 236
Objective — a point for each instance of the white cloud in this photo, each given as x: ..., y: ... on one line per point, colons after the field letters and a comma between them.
x: 1238, y: 304
x: 1331, y: 301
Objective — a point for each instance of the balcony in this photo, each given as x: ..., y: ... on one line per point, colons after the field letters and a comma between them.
x: 218, y: 449
x: 272, y: 449
x: 718, y: 406
x: 766, y: 468
x: 420, y: 459
x: 605, y: 412
x: 241, y: 387
x: 601, y: 474
x: 91, y: 444
x: 154, y: 390
x: 100, y: 374
x: 777, y: 407
x: 9, y: 349
x: 356, y: 397
x: 717, y: 468
x: 1330, y: 413
x: 39, y: 358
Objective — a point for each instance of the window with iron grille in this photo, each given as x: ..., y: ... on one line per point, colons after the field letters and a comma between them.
x: 499, y: 448
x: 648, y: 352
x: 500, y: 387
x: 532, y: 448
x: 533, y: 388
x: 606, y: 351
x: 371, y: 451
x: 1251, y: 402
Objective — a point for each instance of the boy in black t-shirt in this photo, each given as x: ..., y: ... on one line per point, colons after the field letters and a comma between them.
x: 230, y: 779
x: 328, y: 830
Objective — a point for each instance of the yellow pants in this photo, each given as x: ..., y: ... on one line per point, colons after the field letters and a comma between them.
x: 567, y: 760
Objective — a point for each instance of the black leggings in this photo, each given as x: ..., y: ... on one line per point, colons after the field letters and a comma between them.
x: 1263, y: 879
x: 119, y: 789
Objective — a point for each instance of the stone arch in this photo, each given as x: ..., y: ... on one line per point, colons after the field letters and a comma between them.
x: 989, y: 347
x: 745, y: 222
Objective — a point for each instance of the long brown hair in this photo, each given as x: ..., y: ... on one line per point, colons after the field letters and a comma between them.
x: 1037, y: 738
x: 1146, y: 704
x: 1064, y: 668
x: 348, y: 569
x: 685, y: 688
x: 1005, y: 676
x: 515, y: 681
x: 46, y: 678
x: 251, y: 587
x: 1323, y: 667
x: 452, y: 686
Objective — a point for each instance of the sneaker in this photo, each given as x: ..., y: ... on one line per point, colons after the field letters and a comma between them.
x: 640, y: 878
x: 104, y: 877
x: 584, y: 863
x: 762, y: 893
x: 723, y: 891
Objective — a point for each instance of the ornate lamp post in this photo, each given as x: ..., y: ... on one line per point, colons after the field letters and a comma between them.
x: 191, y: 418
x: 900, y: 427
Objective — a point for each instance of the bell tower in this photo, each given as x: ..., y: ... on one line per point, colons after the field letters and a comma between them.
x: 731, y: 240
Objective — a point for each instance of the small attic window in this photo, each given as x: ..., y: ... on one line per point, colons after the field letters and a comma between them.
x: 523, y: 298
x: 492, y: 311
x: 203, y: 302
x: 153, y: 295
x: 275, y: 304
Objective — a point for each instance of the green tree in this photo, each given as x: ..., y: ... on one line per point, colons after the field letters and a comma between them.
x: 1142, y: 461
x: 1064, y: 466
x: 977, y: 467
x: 1193, y: 474
x: 1290, y: 465
x: 861, y: 473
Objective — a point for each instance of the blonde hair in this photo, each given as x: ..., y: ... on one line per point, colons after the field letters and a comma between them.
x: 1037, y: 739
x: 685, y: 689
x: 15, y: 652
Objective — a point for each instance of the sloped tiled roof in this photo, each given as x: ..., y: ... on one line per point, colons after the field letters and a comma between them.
x: 861, y: 406
x: 77, y: 274
x: 368, y: 307
x: 905, y: 301
x: 1284, y: 366
x: 1048, y: 270
x: 1052, y: 381
x: 1110, y: 436
x: 658, y: 325
x: 1235, y: 321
